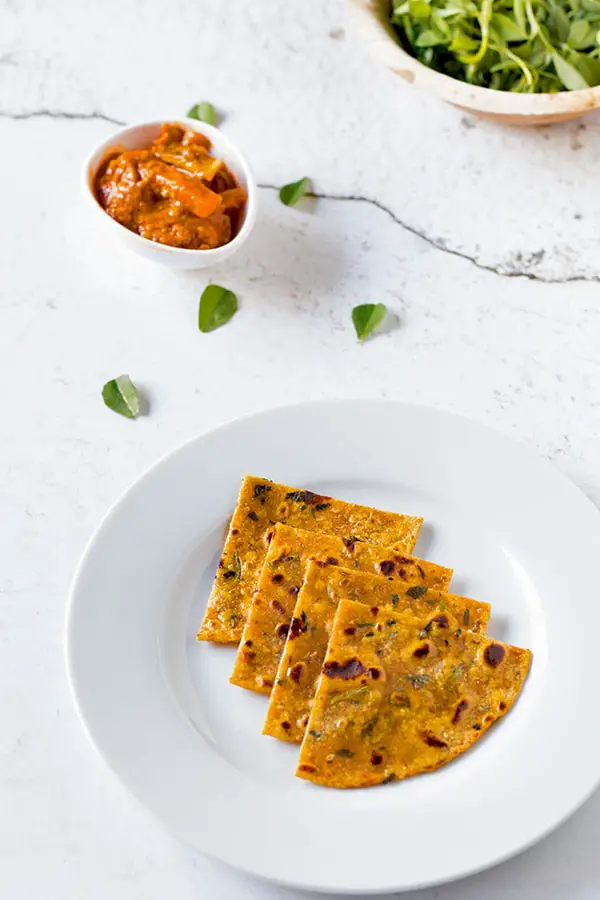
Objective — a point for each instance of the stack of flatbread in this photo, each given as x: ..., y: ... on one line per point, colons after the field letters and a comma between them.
x: 370, y: 663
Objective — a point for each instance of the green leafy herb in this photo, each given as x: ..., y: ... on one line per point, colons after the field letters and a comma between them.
x: 304, y: 618
x: 395, y: 599
x: 525, y: 46
x: 365, y: 624
x: 458, y: 671
x: 416, y: 591
x: 203, y: 112
x: 466, y: 617
x: 344, y: 753
x: 568, y: 74
x: 317, y: 735
x: 217, y: 306
x: 367, y: 317
x: 418, y: 681
x: 425, y: 631
x: 237, y: 565
x: 291, y: 193
x: 369, y: 727
x: 122, y: 397
x: 354, y: 695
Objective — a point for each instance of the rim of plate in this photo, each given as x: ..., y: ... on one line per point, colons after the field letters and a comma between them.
x: 386, y: 887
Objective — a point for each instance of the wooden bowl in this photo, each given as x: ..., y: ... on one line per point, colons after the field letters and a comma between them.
x: 370, y: 20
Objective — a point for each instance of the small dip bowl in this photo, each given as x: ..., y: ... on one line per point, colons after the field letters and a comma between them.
x: 370, y: 19
x: 135, y: 137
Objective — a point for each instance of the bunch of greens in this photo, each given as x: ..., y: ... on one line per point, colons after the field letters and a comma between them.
x: 527, y: 46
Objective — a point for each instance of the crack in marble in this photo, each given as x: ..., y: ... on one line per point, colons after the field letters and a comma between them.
x: 59, y: 114
x: 502, y: 269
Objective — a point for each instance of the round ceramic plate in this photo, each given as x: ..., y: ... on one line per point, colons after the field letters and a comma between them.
x: 160, y: 709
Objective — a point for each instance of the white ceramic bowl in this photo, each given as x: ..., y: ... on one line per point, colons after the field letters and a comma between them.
x: 138, y: 136
x: 370, y: 19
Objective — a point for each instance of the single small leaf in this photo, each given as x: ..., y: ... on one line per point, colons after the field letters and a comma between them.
x: 122, y: 397
x: 291, y: 193
x: 203, y: 112
x: 430, y: 38
x: 568, y: 74
x: 419, y: 9
x: 581, y: 35
x: 367, y: 317
x: 558, y: 23
x: 462, y: 43
x: 588, y: 65
x: 507, y: 28
x: 217, y: 306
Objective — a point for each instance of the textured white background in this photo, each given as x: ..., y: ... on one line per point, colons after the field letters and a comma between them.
x: 484, y: 242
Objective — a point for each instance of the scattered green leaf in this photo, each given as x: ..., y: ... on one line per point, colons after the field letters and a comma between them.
x: 367, y: 317
x: 203, y: 112
x: 122, y: 397
x: 217, y: 306
x: 344, y: 753
x: 291, y: 193
x: 416, y: 591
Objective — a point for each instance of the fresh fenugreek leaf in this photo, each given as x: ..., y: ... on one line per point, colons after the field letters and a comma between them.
x: 416, y: 591
x: 203, y: 112
x: 290, y: 194
x: 568, y: 74
x: 525, y: 46
x: 217, y: 306
x: 344, y: 753
x: 507, y: 29
x: 367, y: 317
x: 120, y: 394
x: 237, y: 565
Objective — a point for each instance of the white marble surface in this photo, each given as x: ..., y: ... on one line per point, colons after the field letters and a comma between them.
x: 484, y: 242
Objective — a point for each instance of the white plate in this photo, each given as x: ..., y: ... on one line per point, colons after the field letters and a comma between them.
x: 159, y: 708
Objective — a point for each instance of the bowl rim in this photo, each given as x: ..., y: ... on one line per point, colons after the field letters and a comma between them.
x: 93, y: 160
x: 370, y: 24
